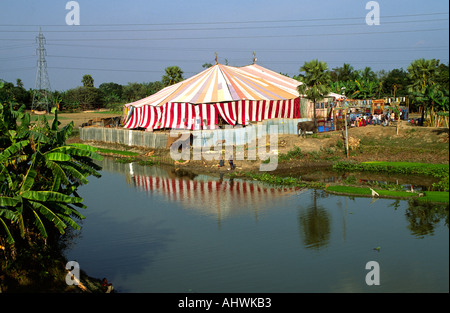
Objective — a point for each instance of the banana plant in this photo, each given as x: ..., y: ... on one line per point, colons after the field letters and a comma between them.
x: 39, y: 175
x: 365, y: 89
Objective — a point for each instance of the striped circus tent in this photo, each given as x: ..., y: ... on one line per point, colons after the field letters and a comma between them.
x: 238, y: 95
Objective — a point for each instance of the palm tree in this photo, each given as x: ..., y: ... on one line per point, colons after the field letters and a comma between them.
x: 368, y: 74
x: 316, y: 81
x: 19, y: 83
x: 87, y: 81
x: 172, y: 76
x: 422, y: 74
x: 344, y: 73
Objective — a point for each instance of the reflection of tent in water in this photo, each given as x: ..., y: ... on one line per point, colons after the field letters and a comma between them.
x: 211, y: 196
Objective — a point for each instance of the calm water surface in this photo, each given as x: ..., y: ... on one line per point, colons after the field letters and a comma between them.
x: 148, y: 230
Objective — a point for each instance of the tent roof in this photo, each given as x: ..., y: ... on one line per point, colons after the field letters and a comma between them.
x: 222, y: 83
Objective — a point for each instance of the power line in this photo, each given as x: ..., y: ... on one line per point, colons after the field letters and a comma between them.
x: 102, y: 69
x: 111, y: 70
x: 265, y: 62
x: 214, y: 28
x: 224, y: 22
x: 15, y: 46
x: 16, y: 58
x: 17, y: 69
x: 127, y: 59
x: 239, y: 37
x: 121, y: 59
x: 289, y: 50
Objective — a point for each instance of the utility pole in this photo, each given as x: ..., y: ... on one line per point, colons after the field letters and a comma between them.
x: 42, y: 90
x: 345, y: 121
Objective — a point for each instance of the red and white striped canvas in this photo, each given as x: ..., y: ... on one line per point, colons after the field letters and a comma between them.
x: 238, y: 95
x: 205, y: 116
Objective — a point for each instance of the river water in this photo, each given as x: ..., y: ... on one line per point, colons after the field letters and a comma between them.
x: 149, y: 230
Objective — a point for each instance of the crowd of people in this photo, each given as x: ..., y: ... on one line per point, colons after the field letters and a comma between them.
x: 358, y: 120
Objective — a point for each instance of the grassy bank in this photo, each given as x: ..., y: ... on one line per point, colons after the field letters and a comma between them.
x: 413, y: 168
x: 440, y: 171
x: 426, y: 196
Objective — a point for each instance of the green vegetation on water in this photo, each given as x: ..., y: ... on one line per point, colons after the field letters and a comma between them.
x: 282, y: 181
x: 428, y: 196
x: 127, y: 156
x: 436, y: 196
x: 440, y: 171
x: 121, y: 152
x: 436, y: 170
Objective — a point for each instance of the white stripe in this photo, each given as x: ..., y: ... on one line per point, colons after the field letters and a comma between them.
x: 254, y: 108
x: 266, y: 110
x: 176, y: 107
x: 146, y: 115
x: 247, y: 108
x: 274, y: 110
x: 233, y: 108
x: 240, y: 113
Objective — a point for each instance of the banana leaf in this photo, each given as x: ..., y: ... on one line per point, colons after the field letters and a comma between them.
x: 9, y: 213
x: 57, y: 156
x: 9, y: 201
x: 69, y: 221
x: 13, y: 149
x: 40, y: 225
x: 28, y: 180
x: 74, y: 174
x: 9, y: 237
x: 57, y: 172
x: 49, y: 215
x: 44, y: 196
x: 80, y: 150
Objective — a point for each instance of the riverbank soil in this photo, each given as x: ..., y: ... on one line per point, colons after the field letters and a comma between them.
x: 368, y: 143
x: 78, y: 118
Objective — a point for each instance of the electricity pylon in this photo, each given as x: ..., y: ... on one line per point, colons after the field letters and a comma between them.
x: 42, y: 91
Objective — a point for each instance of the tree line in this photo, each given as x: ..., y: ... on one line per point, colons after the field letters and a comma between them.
x: 424, y: 82
x: 85, y: 97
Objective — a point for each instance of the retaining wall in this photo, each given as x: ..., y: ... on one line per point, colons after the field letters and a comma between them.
x: 204, y: 138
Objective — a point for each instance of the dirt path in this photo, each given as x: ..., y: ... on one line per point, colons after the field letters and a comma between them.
x: 79, y: 118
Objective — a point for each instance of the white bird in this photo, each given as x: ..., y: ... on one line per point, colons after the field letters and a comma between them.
x: 374, y: 193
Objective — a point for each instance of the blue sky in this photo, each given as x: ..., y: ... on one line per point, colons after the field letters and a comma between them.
x: 135, y: 40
